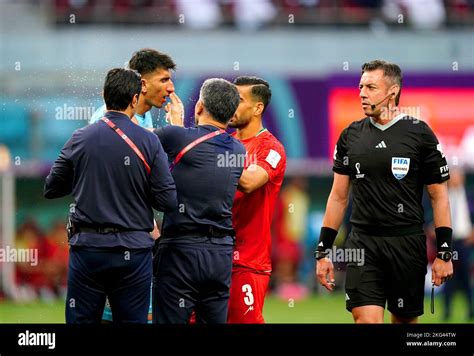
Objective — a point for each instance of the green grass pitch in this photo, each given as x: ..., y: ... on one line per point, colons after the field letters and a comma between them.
x: 323, y: 308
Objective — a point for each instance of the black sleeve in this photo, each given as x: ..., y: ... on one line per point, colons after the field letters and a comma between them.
x: 59, y: 181
x: 434, y: 167
x: 161, y: 133
x: 340, y: 159
x: 163, y: 188
x: 167, y: 136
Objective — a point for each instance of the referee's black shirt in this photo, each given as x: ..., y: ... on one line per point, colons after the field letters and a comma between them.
x: 110, y: 184
x: 388, y: 166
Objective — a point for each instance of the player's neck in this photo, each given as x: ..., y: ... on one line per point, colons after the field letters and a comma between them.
x: 128, y: 111
x: 386, y: 115
x: 142, y: 107
x: 208, y: 121
x: 249, y: 131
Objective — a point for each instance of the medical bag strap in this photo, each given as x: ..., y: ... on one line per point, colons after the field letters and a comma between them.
x: 128, y: 141
x: 194, y: 144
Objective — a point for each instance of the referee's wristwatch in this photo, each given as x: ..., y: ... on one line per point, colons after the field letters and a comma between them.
x: 445, y: 256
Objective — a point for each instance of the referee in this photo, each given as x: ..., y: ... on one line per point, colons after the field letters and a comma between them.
x: 387, y: 158
x: 117, y: 172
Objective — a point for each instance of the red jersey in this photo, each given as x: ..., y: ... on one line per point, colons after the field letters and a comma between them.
x: 252, y: 213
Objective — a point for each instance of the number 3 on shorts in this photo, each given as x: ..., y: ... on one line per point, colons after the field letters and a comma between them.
x: 247, y: 289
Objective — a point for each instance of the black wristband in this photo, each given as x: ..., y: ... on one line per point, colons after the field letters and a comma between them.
x: 326, y: 238
x: 444, y: 237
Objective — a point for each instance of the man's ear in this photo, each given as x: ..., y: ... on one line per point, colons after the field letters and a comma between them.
x: 199, y: 108
x: 134, y: 101
x: 259, y: 108
x: 144, y: 86
x: 395, y: 90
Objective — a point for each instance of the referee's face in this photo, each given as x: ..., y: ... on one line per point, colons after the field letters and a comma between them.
x: 246, y: 108
x: 373, y: 88
x: 157, y: 87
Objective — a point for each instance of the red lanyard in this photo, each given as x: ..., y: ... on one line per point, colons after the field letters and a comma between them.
x: 194, y: 144
x: 128, y: 141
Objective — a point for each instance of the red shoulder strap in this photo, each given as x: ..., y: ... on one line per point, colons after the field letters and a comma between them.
x: 128, y: 141
x: 194, y: 144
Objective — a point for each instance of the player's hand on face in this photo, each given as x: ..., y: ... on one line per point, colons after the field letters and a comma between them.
x: 325, y: 273
x: 441, y: 271
x: 175, y: 111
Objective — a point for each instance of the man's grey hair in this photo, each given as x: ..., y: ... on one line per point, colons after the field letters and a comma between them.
x: 220, y: 98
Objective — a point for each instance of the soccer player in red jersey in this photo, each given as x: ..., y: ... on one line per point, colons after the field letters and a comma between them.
x: 254, y: 202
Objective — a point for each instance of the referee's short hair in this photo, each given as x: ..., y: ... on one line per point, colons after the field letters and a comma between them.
x: 120, y: 86
x: 220, y: 98
x: 260, y: 88
x: 148, y: 60
x: 390, y: 70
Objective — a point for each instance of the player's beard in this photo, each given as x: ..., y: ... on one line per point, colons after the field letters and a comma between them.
x: 238, y: 122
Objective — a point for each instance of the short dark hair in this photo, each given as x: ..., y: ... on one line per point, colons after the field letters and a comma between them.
x: 148, y: 60
x: 120, y: 86
x: 260, y: 88
x: 390, y: 70
x: 220, y: 98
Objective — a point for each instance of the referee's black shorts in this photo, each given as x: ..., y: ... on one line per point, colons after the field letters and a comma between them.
x: 392, y: 271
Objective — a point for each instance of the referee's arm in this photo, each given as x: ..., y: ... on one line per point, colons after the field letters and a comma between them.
x: 435, y: 173
x: 335, y: 210
x: 337, y: 202
x: 438, y: 194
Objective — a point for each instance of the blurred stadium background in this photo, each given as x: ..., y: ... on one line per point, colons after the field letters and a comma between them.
x: 54, y: 56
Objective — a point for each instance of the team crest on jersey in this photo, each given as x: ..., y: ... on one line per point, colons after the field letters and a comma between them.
x: 400, y: 167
